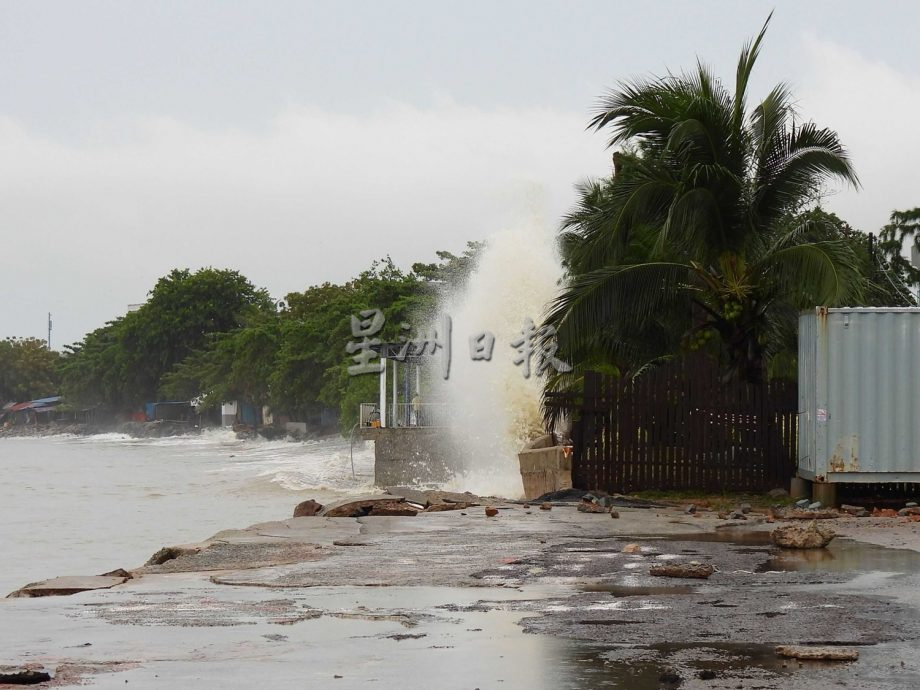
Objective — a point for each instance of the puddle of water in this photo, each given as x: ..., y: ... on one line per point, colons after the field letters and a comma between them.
x: 650, y: 667
x: 844, y: 555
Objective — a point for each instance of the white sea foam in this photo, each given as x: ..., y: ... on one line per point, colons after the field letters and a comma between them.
x: 494, y: 409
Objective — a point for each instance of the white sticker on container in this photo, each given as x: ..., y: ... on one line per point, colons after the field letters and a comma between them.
x: 822, y: 414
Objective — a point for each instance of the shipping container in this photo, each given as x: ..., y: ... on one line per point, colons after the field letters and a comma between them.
x: 859, y: 395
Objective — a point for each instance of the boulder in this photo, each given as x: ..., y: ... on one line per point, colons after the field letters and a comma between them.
x: 698, y: 571
x: 491, y: 512
x: 585, y: 507
x: 358, y: 506
x: 812, y: 536
x: 307, y: 508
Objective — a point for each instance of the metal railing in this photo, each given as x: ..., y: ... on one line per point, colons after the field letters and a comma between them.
x: 417, y: 414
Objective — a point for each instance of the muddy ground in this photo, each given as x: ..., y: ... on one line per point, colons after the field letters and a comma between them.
x: 529, y: 598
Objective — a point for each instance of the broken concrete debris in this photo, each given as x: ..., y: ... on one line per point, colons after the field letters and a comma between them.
x: 812, y: 536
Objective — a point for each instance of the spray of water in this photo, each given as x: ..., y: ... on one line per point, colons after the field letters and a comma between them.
x: 495, y: 410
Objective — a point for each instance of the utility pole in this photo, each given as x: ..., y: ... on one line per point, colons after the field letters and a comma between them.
x: 49, y: 330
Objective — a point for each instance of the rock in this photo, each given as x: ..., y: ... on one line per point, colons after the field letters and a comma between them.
x: 910, y: 504
x: 546, y: 506
x: 307, y: 508
x: 699, y: 571
x: 737, y: 515
x: 723, y: 515
x: 884, y: 512
x: 412, y: 495
x: 451, y: 497
x: 632, y: 548
x: 491, y: 512
x: 856, y: 511
x: 169, y: 553
x: 745, y: 508
x: 591, y: 508
x: 399, y: 508
x: 817, y: 505
x: 811, y: 536
x: 810, y: 515
x: 357, y: 507
x: 803, y: 503
x: 14, y: 676
x: 911, y: 510
x: 441, y: 507
x: 690, y: 509
x: 65, y: 586
x: 817, y: 653
x: 670, y: 677
x: 615, y: 514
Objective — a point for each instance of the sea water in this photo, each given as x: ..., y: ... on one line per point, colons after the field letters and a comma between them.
x: 74, y: 505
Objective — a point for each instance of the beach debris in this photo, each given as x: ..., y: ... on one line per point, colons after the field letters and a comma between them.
x: 884, y: 512
x: 307, y: 508
x: 10, y: 675
x: 632, y: 548
x: 65, y: 586
x: 910, y: 504
x: 615, y: 514
x: 586, y: 507
x: 546, y: 506
x: 812, y: 536
x: 810, y: 653
x: 170, y: 553
x: 693, y: 570
x: 911, y: 510
x: 855, y: 511
x: 670, y: 677
x: 817, y: 505
x: 395, y: 508
x: 359, y: 506
x: 745, y: 508
x: 802, y: 503
x: 491, y: 512
x: 441, y: 507
x: 690, y: 509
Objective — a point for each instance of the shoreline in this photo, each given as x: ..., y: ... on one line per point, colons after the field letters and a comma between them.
x: 567, y: 577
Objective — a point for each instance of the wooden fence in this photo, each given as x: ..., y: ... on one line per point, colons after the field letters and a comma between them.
x: 678, y: 426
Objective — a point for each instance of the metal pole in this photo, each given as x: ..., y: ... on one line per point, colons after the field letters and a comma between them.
x: 383, y: 392
x: 49, y: 330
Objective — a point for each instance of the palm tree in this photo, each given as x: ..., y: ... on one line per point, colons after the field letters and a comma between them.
x: 696, y: 236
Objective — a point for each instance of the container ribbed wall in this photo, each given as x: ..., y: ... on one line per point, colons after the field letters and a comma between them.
x: 859, y: 396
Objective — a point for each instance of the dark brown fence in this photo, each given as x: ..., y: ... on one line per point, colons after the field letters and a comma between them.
x: 678, y: 426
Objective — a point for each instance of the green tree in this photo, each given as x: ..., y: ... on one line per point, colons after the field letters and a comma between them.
x: 28, y: 370
x: 123, y: 363
x: 689, y: 242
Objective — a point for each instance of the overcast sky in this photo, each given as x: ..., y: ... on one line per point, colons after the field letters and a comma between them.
x: 298, y: 141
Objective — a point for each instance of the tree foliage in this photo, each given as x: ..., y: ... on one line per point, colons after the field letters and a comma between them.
x: 28, y: 370
x: 706, y: 235
x: 123, y: 363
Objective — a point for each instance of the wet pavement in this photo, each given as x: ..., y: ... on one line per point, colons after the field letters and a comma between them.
x: 528, y: 599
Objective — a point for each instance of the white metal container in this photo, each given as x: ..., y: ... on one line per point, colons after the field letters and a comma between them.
x: 859, y: 395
